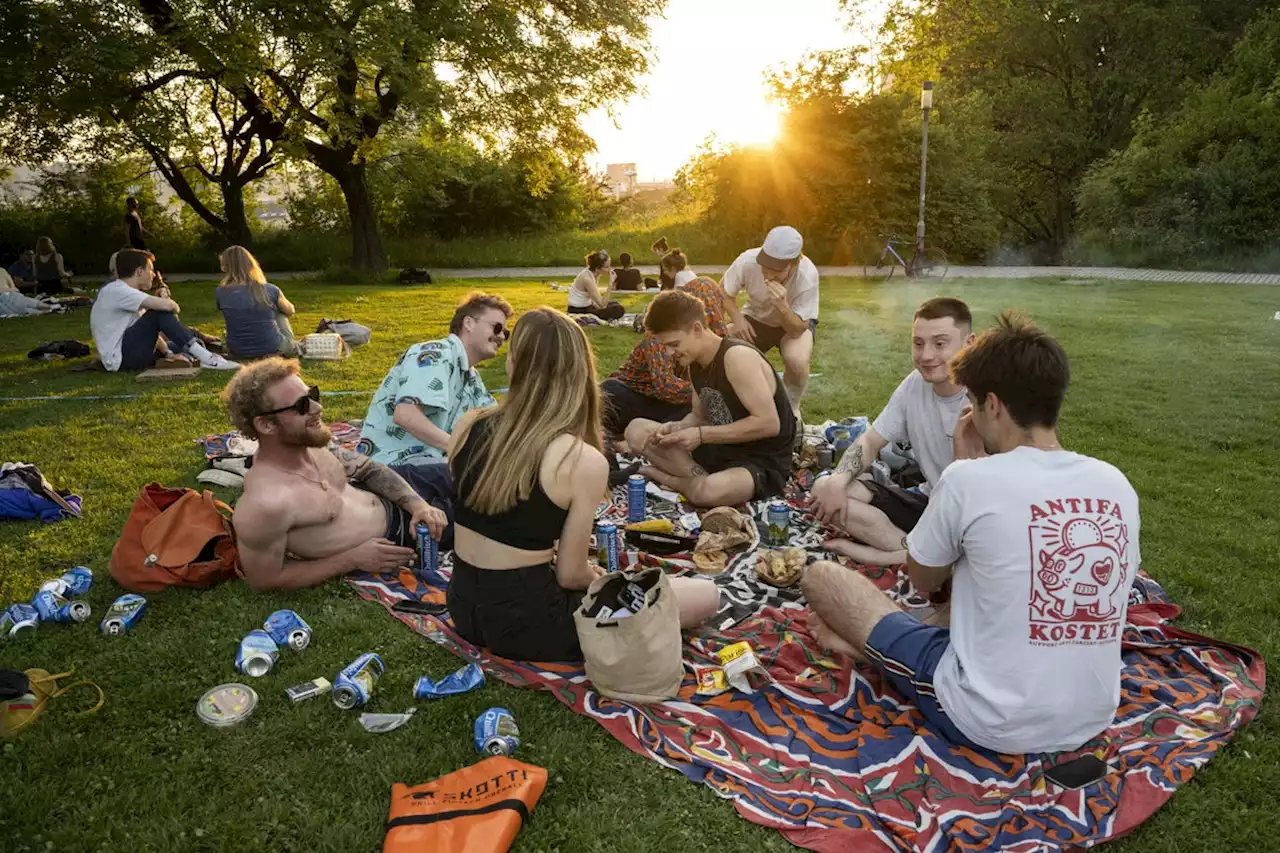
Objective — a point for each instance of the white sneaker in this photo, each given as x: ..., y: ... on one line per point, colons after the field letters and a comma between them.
x: 211, y: 360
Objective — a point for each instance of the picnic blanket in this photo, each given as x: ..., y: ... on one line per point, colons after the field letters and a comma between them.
x: 834, y: 759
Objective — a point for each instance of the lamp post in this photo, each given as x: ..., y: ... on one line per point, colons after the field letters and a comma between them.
x: 926, y: 104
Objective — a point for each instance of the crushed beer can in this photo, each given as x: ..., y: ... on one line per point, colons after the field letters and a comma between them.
x: 496, y: 732
x: 353, y: 686
x: 123, y: 614
x: 468, y: 678
x: 73, y: 583
x: 52, y: 607
x: 18, y: 618
x: 288, y: 629
x: 256, y: 654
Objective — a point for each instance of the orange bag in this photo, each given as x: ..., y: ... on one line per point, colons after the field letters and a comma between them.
x: 478, y: 809
x: 174, y: 537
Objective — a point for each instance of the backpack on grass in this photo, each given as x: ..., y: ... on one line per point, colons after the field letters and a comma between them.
x: 175, y: 537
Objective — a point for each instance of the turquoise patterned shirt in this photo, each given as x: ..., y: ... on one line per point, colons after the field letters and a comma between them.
x: 435, y: 376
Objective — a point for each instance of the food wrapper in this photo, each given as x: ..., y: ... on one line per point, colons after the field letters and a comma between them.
x: 710, y: 562
x: 739, y: 661
x: 711, y: 680
x: 381, y: 723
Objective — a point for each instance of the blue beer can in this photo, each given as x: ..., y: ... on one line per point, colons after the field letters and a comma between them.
x: 778, y: 520
x: 54, y: 608
x: 607, y: 543
x: 16, y: 619
x: 496, y: 732
x: 428, y: 556
x: 288, y: 629
x: 256, y: 654
x: 636, y: 484
x: 75, y: 582
x: 467, y: 678
x: 353, y: 686
x: 123, y: 614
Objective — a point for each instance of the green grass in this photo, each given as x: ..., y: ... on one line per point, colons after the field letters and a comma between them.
x: 1175, y: 384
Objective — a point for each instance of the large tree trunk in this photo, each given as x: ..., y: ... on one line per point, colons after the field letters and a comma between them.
x: 237, y: 221
x: 366, y: 243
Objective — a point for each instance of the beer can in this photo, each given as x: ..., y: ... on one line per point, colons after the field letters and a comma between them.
x: 288, y: 629
x: 18, y: 618
x: 467, y: 678
x: 843, y: 440
x: 256, y: 654
x: 778, y: 519
x: 636, y: 484
x: 73, y: 583
x: 607, y: 542
x: 826, y: 458
x: 353, y: 686
x: 123, y: 614
x: 54, y: 608
x: 428, y: 556
x: 496, y: 732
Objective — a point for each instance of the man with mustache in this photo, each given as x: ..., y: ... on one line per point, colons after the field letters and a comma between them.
x: 308, y: 514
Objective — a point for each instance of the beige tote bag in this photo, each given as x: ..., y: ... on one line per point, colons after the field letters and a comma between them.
x: 631, y: 656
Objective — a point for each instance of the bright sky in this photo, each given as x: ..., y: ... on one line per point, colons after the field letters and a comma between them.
x: 709, y: 63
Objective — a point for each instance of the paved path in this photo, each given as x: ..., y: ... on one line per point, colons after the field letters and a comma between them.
x: 566, y: 274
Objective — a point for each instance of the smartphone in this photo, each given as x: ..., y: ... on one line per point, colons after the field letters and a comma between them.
x: 1077, y: 773
x: 413, y: 605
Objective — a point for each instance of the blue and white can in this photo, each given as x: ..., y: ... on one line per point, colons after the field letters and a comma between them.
x: 428, y: 556
x: 636, y: 485
x: 353, y: 686
x: 288, y: 629
x: 54, y: 608
x: 778, y: 520
x: 73, y: 583
x: 607, y: 542
x: 256, y: 654
x: 496, y: 732
x: 18, y: 618
x: 123, y: 614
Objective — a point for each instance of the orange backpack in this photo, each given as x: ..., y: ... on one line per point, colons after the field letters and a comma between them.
x: 477, y: 808
x: 174, y: 537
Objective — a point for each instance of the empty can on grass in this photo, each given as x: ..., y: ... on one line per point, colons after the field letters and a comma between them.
x: 54, y: 608
x: 123, y: 614
x: 256, y: 654
x: 353, y: 686
x: 496, y: 732
x: 288, y: 629
x: 18, y: 618
x: 73, y: 583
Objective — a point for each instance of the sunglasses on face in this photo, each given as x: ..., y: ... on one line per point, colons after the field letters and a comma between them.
x: 300, y: 406
x: 500, y: 329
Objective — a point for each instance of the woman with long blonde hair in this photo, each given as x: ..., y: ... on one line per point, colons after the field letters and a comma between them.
x: 257, y: 312
x: 528, y: 475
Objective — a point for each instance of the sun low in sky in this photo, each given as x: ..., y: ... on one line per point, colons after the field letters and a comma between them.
x: 708, y: 76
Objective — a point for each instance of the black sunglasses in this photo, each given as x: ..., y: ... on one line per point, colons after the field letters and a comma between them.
x: 302, y: 405
x: 499, y: 329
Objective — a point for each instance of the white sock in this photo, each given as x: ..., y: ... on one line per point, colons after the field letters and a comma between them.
x: 202, y: 355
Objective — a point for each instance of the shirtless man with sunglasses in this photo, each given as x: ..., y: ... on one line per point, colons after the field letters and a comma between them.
x: 308, y: 514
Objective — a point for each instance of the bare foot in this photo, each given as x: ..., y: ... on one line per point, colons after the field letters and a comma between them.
x: 829, y: 639
x: 865, y: 554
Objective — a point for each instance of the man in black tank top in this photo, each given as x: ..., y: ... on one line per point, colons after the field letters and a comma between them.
x: 736, y: 444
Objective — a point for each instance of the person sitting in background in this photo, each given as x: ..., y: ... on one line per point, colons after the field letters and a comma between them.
x: 23, y: 271
x: 584, y: 294
x: 627, y: 278
x: 528, y: 475
x: 52, y: 277
x: 434, y: 384
x: 12, y: 302
x: 127, y: 324
x: 257, y: 313
x: 735, y: 446
x: 649, y: 384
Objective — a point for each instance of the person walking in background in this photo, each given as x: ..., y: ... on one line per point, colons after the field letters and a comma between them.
x: 627, y: 278
x: 23, y: 271
x: 256, y: 312
x: 52, y: 277
x: 133, y: 230
x: 584, y: 294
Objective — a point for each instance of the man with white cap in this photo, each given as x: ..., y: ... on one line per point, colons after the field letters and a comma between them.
x: 782, y: 304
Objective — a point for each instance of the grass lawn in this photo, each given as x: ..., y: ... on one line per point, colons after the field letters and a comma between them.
x: 1174, y: 384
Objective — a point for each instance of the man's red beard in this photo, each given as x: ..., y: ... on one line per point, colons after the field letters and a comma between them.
x: 314, y: 435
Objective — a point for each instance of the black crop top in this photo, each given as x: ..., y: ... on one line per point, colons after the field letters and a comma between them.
x: 532, y: 525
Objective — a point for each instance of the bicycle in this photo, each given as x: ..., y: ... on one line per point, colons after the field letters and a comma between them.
x: 933, y: 263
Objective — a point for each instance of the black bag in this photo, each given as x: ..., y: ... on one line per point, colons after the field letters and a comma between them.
x: 59, y: 349
x: 414, y: 275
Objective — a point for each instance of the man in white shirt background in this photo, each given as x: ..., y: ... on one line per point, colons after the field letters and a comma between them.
x: 1041, y: 546
x: 922, y: 412
x: 128, y: 324
x: 782, y: 304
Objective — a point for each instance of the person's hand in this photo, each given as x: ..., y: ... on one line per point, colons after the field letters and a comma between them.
x: 829, y: 500
x: 966, y: 443
x: 744, y: 331
x: 173, y: 307
x: 777, y: 292
x: 682, y: 439
x: 435, y: 519
x: 380, y: 555
x: 657, y: 434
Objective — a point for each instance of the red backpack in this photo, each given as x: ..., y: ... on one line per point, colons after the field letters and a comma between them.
x: 175, y: 537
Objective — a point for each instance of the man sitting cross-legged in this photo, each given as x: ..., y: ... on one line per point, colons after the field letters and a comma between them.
x: 1041, y: 545
x: 735, y: 445
x: 307, y: 514
x: 923, y: 411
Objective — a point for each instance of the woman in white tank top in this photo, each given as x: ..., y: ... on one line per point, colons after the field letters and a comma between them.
x: 585, y: 296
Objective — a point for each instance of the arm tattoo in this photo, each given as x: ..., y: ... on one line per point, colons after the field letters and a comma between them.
x: 904, y: 543
x: 697, y: 471
x: 851, y: 462
x: 377, y: 478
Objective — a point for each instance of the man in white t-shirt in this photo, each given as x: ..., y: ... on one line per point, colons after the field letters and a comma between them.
x: 782, y: 304
x: 1041, y: 546
x: 922, y: 412
x: 127, y: 324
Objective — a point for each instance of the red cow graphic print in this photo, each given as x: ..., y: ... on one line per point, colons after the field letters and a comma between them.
x: 1079, y: 571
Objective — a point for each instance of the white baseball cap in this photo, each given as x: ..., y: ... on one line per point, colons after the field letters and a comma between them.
x: 782, y: 245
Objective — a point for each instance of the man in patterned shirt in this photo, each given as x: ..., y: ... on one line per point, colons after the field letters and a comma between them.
x: 434, y: 384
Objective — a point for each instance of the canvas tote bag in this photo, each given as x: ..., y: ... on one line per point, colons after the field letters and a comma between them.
x: 636, y: 657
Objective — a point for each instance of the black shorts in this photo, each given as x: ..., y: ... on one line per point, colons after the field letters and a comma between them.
x: 903, y: 506
x: 520, y: 614
x: 770, y: 473
x: 768, y: 337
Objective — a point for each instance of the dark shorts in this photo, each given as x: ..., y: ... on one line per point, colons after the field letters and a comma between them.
x: 620, y: 405
x: 908, y: 651
x: 520, y: 614
x: 770, y: 473
x: 768, y: 337
x: 903, y: 506
x: 612, y: 311
x: 434, y: 485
